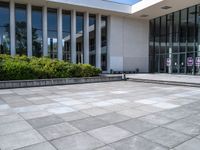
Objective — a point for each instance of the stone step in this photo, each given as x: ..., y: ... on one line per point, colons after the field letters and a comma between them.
x: 164, y: 82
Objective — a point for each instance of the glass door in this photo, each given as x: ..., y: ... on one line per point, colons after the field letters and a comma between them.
x: 182, y: 63
x: 175, y: 63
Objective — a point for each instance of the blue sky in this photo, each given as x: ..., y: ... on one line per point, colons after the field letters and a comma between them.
x: 126, y: 1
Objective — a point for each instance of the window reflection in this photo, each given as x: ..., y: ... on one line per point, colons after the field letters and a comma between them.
x: 104, y: 43
x: 66, y: 35
x: 52, y: 33
x: 92, y: 39
x: 4, y: 28
x: 21, y: 29
x: 182, y: 48
x: 37, y: 40
x: 79, y: 37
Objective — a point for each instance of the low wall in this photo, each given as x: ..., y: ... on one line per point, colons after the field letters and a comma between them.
x: 52, y: 82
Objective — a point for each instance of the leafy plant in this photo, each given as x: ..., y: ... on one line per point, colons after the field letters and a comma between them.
x: 22, y: 67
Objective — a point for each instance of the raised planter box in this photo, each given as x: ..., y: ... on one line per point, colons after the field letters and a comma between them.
x: 52, y: 82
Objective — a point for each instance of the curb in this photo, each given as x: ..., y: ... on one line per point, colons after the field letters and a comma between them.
x: 53, y: 82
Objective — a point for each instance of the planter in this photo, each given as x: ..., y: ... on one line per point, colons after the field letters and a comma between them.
x: 53, y: 82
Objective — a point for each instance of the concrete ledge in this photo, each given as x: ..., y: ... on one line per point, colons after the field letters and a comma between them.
x: 52, y: 82
x: 165, y: 82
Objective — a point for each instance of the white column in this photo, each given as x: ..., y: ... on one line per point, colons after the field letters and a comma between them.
x: 60, y: 50
x: 98, y: 41
x: 45, y: 40
x: 86, y: 38
x: 29, y: 30
x: 109, y: 44
x: 12, y: 27
x: 73, y: 37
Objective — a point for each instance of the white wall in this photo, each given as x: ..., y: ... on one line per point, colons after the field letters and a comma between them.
x: 129, y: 44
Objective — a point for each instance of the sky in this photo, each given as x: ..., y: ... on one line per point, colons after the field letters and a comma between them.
x: 126, y: 1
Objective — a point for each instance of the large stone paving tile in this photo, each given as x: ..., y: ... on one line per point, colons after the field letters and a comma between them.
x: 95, y: 111
x: 14, y: 127
x: 33, y: 115
x: 134, y: 113
x: 88, y: 123
x: 57, y: 131
x: 156, y: 119
x: 178, y: 113
x: 40, y: 146
x: 60, y: 110
x: 80, y: 141
x: 136, y: 126
x: 165, y: 137
x: 73, y: 116
x: 20, y: 104
x: 2, y: 102
x: 109, y: 134
x: 185, y: 127
x: 105, y: 148
x: 45, y: 121
x: 195, y: 119
x: 10, y: 118
x: 113, y: 117
x: 193, y: 144
x: 20, y: 139
x: 136, y: 143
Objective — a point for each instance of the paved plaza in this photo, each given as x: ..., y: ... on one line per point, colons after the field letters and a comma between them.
x: 101, y: 116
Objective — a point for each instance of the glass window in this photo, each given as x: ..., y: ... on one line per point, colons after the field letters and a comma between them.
x: 37, y: 39
x: 157, y: 35
x: 198, y: 28
x: 79, y: 38
x: 176, y: 32
x: 66, y: 20
x: 4, y: 28
x: 104, y: 41
x: 151, y: 46
x: 169, y: 33
x: 191, y: 25
x: 21, y: 29
x: 52, y: 33
x: 163, y: 35
x: 92, y: 39
x: 163, y: 25
x: 183, y: 30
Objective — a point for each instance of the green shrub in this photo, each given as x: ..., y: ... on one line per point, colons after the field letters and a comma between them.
x: 22, y: 67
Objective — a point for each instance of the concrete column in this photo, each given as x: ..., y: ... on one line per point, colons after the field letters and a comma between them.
x: 86, y: 38
x: 109, y: 44
x: 98, y: 41
x: 73, y: 36
x: 60, y: 50
x: 12, y: 27
x: 29, y: 30
x: 45, y: 40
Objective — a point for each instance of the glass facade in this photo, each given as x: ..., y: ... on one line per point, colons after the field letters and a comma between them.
x: 52, y: 33
x: 174, y: 42
x: 92, y: 39
x: 4, y: 28
x: 104, y: 25
x: 79, y: 37
x: 38, y: 27
x: 66, y: 20
x: 37, y: 41
x: 21, y: 29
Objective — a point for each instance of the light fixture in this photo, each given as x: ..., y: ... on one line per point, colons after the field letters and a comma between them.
x: 144, y: 15
x: 166, y: 7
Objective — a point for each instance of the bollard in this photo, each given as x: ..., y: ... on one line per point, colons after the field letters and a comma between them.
x: 124, y: 76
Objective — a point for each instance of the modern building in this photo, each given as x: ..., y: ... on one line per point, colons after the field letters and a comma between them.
x: 152, y: 35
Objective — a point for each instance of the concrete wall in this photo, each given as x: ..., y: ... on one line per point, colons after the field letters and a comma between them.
x: 129, y: 44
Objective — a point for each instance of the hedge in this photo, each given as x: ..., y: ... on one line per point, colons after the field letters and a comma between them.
x: 23, y: 68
